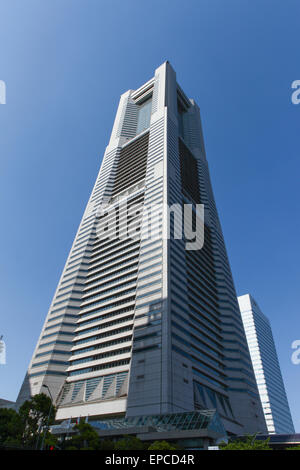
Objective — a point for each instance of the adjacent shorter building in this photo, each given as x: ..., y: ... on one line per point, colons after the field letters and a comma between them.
x: 266, y: 367
x: 7, y: 403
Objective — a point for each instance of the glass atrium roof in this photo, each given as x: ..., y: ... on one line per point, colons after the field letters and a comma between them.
x: 201, y: 419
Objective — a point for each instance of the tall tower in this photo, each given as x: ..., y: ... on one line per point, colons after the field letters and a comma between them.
x: 142, y: 325
x: 266, y: 367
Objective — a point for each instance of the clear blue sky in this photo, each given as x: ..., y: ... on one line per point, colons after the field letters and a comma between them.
x: 65, y: 64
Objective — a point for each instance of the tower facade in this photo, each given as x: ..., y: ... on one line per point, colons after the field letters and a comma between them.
x: 141, y: 324
x: 266, y: 367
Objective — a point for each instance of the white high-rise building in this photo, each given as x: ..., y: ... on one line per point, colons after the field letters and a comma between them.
x: 144, y: 326
x: 266, y: 367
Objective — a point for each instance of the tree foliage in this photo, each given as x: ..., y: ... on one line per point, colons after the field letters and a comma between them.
x: 129, y: 443
x: 27, y: 427
x: 11, y: 427
x: 86, y: 438
x: 162, y: 445
x: 248, y: 443
x: 36, y: 414
x: 107, y: 444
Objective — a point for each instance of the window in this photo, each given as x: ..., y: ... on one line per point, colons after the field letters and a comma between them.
x: 180, y: 115
x: 144, y: 116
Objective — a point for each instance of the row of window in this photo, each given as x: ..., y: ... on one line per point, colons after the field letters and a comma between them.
x: 105, y: 316
x: 115, y: 282
x: 108, y: 307
x: 102, y: 345
x: 109, y: 365
x: 114, y: 352
x: 114, y: 332
x: 104, y: 325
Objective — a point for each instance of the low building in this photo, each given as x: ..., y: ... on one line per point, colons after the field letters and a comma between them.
x: 7, y: 403
x: 190, y: 430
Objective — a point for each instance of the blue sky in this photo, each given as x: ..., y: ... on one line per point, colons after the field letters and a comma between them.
x: 65, y: 64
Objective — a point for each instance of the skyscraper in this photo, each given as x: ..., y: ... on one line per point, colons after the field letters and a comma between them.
x: 266, y: 367
x: 141, y: 325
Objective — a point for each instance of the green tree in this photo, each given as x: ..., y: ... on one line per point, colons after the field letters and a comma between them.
x: 36, y: 414
x: 248, y: 443
x: 107, y: 444
x: 11, y: 428
x: 50, y: 440
x: 86, y: 438
x: 129, y: 443
x: 162, y: 445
